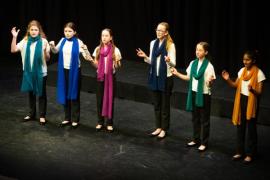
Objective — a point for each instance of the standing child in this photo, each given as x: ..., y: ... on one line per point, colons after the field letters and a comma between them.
x: 162, y: 57
x: 35, y: 51
x: 248, y: 86
x: 106, y: 59
x: 69, y: 73
x: 200, y: 74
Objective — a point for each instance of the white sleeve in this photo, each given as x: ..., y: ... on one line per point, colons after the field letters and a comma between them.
x: 189, y: 68
x: 117, y: 53
x: 95, y: 52
x: 57, y: 47
x: 46, y: 45
x: 211, y: 71
x: 20, y: 45
x: 172, y: 55
x: 261, y: 76
x: 80, y: 46
x: 150, y: 53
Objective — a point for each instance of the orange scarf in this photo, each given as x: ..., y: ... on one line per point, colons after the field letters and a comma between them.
x: 252, y: 99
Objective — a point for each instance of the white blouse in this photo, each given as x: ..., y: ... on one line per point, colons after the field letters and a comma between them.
x: 67, y: 50
x: 244, y: 85
x: 171, y: 54
x: 208, y: 74
x: 21, y: 46
x: 116, y: 53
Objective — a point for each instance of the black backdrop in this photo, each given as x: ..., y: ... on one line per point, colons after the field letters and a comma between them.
x: 230, y: 26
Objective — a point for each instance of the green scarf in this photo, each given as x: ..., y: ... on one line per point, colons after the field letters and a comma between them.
x: 200, y: 77
x: 33, y: 77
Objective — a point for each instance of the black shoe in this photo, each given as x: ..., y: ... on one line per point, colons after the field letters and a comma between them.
x: 64, y: 123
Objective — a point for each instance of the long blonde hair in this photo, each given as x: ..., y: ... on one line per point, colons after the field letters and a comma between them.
x: 168, y: 36
x: 38, y: 25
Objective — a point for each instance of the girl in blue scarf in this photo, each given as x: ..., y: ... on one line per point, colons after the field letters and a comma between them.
x: 69, y: 73
x: 35, y: 51
x: 160, y: 80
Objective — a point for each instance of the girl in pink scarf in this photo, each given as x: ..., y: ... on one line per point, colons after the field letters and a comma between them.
x: 107, y: 59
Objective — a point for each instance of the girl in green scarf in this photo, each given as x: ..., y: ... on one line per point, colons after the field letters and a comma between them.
x: 200, y: 74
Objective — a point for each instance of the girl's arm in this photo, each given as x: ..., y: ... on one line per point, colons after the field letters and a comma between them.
x: 142, y: 54
x: 14, y: 40
x: 52, y: 46
x: 47, y: 55
x: 86, y: 54
x: 95, y: 63
x: 118, y: 57
x: 180, y: 75
x: 258, y: 91
x: 226, y: 77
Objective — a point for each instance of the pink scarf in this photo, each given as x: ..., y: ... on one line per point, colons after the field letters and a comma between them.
x: 107, y: 78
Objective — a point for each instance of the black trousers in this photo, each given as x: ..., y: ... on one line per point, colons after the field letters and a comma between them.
x: 201, y: 119
x: 72, y: 107
x: 251, y: 131
x: 162, y: 105
x: 99, y: 96
x: 42, y: 101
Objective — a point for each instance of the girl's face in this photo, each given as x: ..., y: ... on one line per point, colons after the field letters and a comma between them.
x: 69, y: 33
x: 34, y: 31
x: 106, y: 37
x: 200, y: 52
x: 248, y: 62
x: 161, y: 31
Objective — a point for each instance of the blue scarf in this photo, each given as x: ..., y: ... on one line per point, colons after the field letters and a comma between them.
x: 33, y: 77
x: 158, y: 82
x: 200, y: 77
x: 70, y: 92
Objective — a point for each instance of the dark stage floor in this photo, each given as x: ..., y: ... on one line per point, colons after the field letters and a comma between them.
x: 31, y: 151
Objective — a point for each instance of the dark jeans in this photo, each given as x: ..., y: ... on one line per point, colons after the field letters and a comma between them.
x: 251, y: 131
x: 201, y: 119
x: 42, y: 101
x: 162, y: 105
x: 72, y: 107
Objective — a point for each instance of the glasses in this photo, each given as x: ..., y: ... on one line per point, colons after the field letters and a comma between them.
x: 159, y: 30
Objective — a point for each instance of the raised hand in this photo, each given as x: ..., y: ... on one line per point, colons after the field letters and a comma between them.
x: 140, y: 53
x: 225, y: 75
x: 15, y: 32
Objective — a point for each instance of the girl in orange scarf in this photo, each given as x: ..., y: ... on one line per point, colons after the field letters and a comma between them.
x: 248, y: 88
